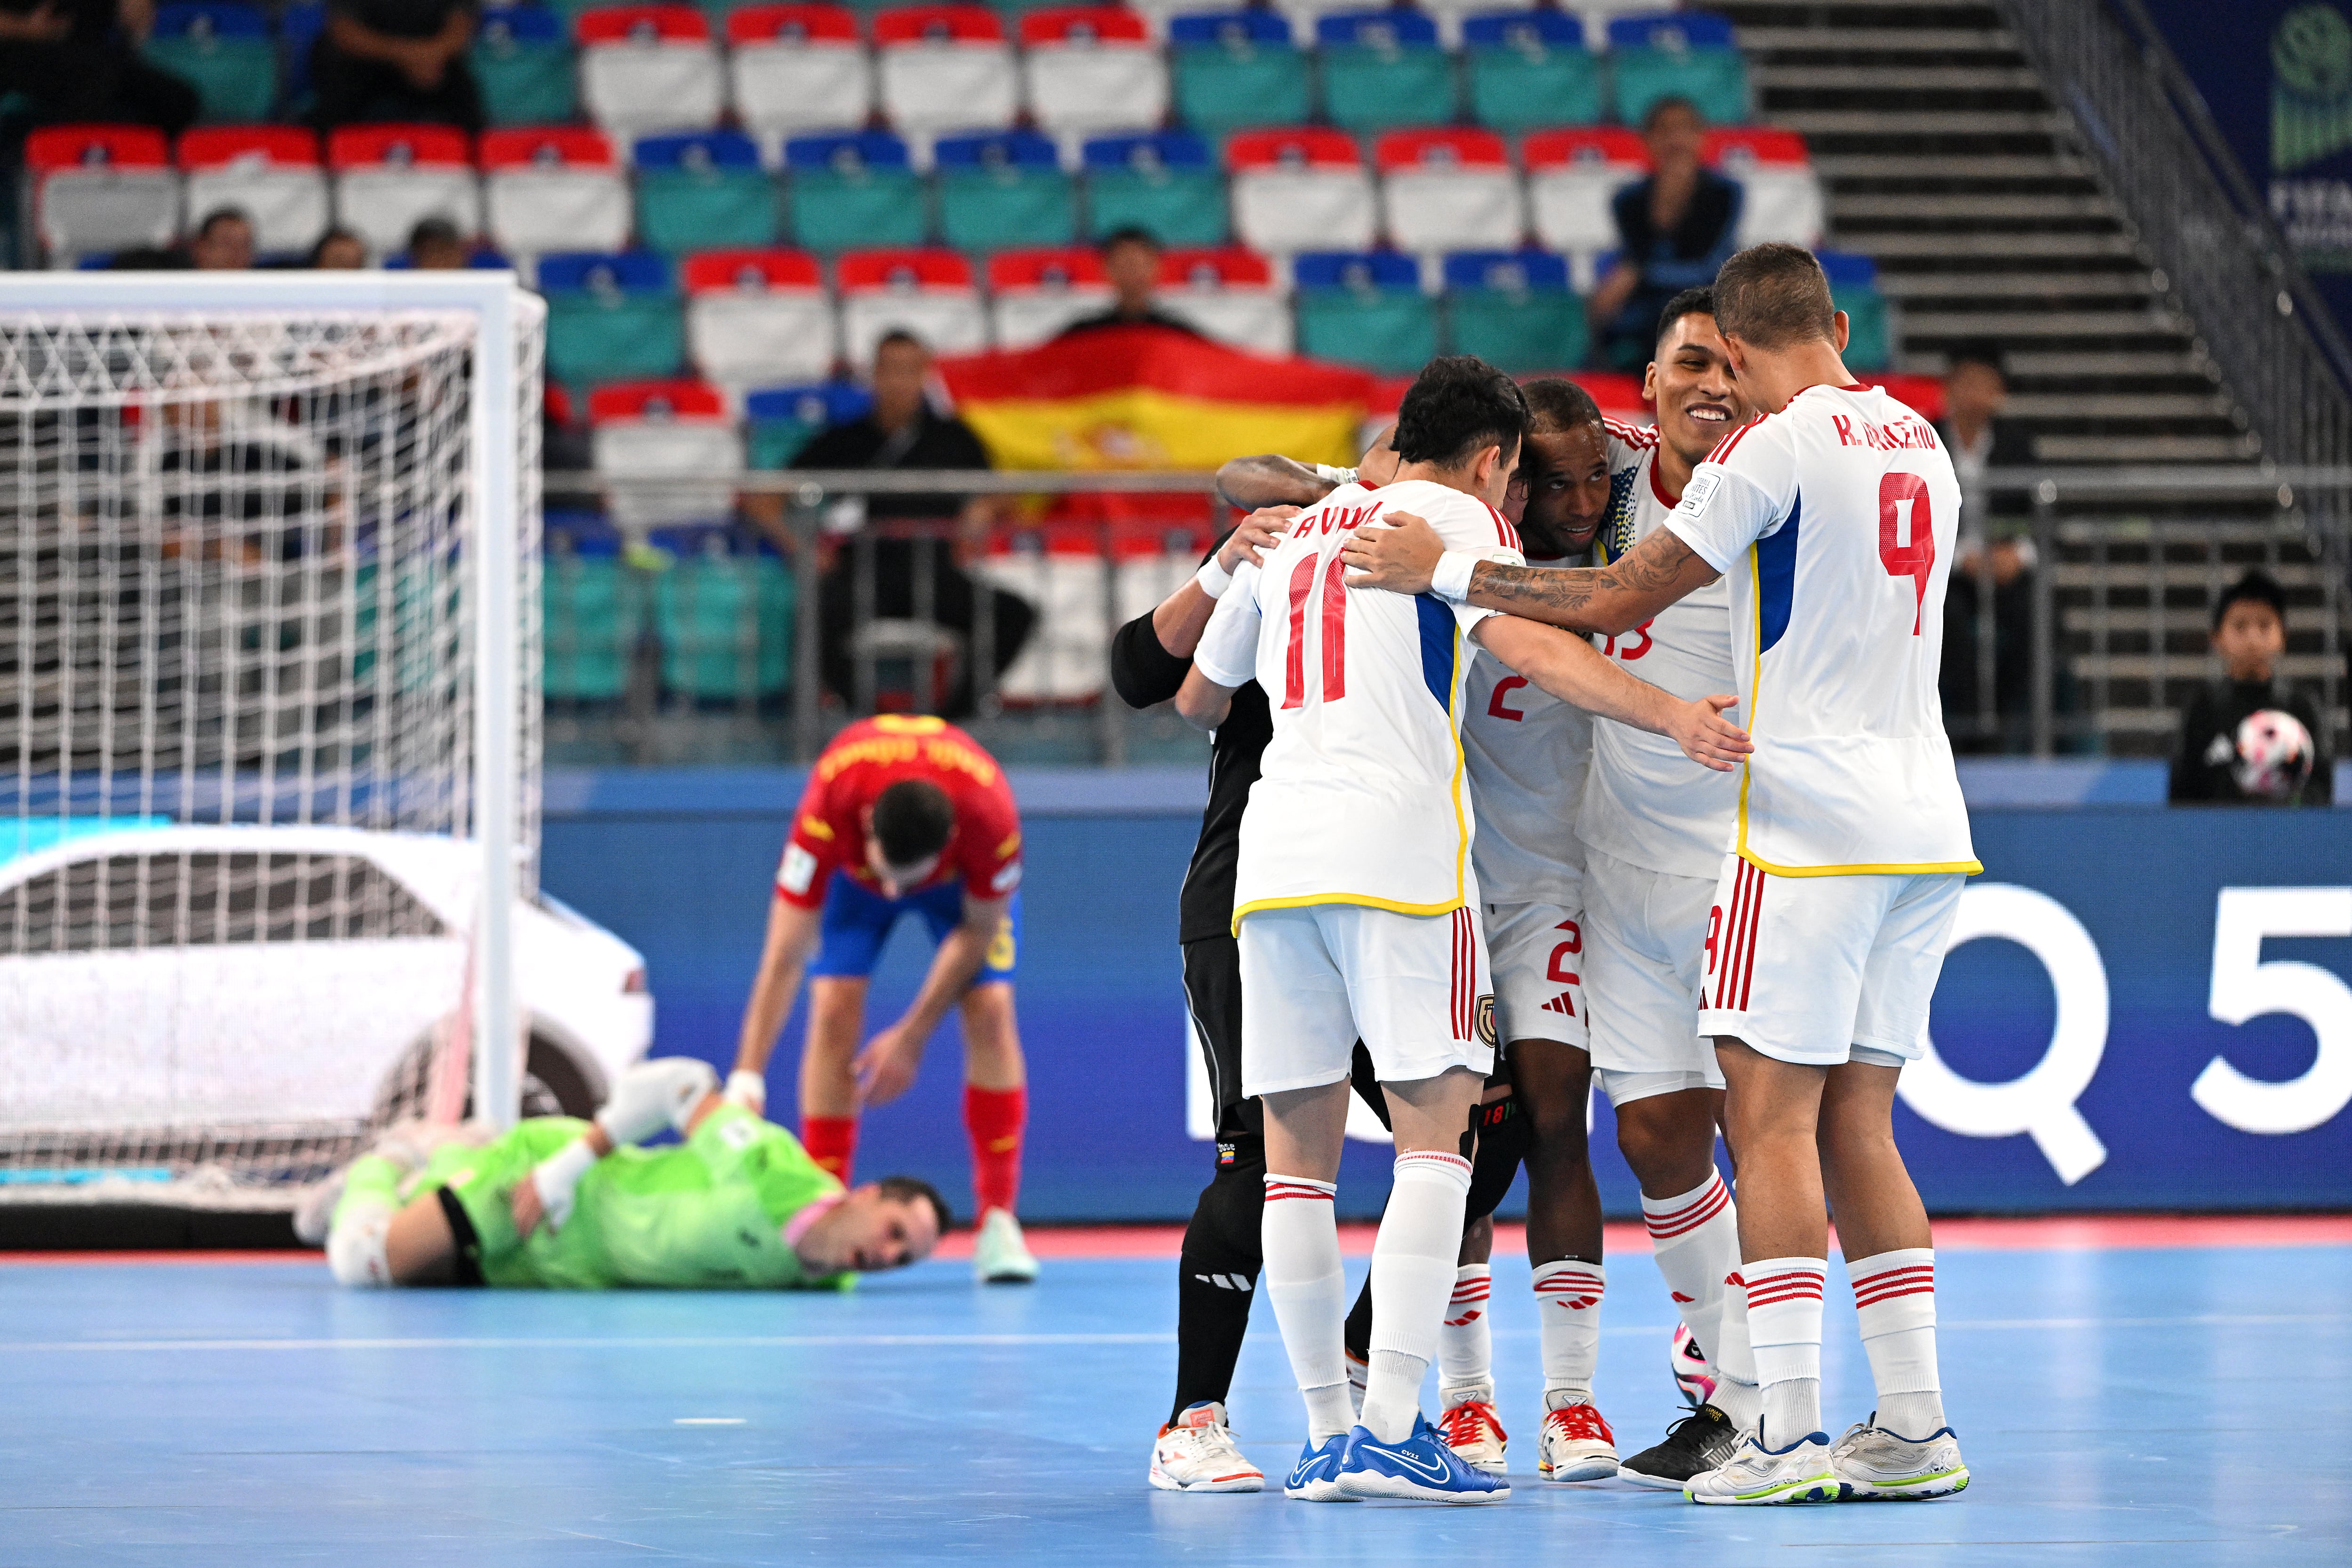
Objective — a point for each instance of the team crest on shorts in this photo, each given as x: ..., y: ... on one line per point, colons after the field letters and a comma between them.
x: 1486, y: 1019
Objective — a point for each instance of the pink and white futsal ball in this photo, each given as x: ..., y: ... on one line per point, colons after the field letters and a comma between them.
x: 2274, y: 755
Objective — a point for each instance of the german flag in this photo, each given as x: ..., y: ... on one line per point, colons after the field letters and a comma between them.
x: 1153, y: 398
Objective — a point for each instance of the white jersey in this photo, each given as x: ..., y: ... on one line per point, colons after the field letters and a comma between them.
x: 1834, y: 521
x: 1527, y: 752
x: 1646, y: 802
x: 1361, y: 796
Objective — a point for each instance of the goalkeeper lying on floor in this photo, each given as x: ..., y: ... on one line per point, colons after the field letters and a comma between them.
x: 572, y: 1204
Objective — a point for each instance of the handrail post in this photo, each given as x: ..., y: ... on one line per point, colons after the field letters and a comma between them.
x: 2045, y: 608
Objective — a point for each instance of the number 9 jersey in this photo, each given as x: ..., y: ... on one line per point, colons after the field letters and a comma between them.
x: 1837, y: 621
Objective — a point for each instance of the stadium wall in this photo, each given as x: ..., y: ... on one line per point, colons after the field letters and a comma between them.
x: 2083, y: 1019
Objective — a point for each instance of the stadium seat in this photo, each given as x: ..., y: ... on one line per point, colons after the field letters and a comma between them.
x: 1853, y: 288
x: 591, y: 616
x: 1530, y: 69
x: 796, y: 68
x: 1677, y: 54
x: 1034, y: 294
x: 724, y: 611
x: 754, y: 318
x: 224, y: 51
x: 927, y: 292
x: 1004, y: 190
x: 1165, y: 183
x: 1092, y: 67
x: 1514, y: 309
x: 1231, y: 294
x: 853, y: 190
x: 1383, y: 69
x: 1299, y: 189
x: 1237, y: 69
x: 521, y: 58
x: 552, y: 187
x: 649, y: 69
x: 672, y: 428
x: 781, y: 420
x: 1365, y: 308
x: 1450, y: 189
x: 611, y: 317
x: 101, y: 188
x: 388, y: 178
x: 1572, y: 176
x: 271, y: 172
x: 1783, y: 197
x: 704, y: 190
x: 944, y: 69
x: 299, y: 24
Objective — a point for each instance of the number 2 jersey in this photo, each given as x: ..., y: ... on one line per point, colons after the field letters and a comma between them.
x: 1834, y: 521
x: 1361, y: 796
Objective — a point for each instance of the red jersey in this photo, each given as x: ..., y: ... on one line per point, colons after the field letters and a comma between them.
x: 829, y: 830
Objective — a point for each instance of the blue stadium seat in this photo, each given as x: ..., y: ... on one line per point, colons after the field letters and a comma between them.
x: 853, y: 190
x: 1854, y: 287
x: 1166, y: 183
x: 611, y: 317
x: 1678, y: 54
x: 521, y: 58
x: 1237, y: 69
x: 1004, y: 190
x: 724, y: 611
x: 592, y: 613
x: 1365, y: 308
x: 704, y: 191
x: 781, y: 420
x: 1530, y: 69
x: 1383, y: 69
x: 1514, y: 309
x: 225, y: 52
x: 298, y: 27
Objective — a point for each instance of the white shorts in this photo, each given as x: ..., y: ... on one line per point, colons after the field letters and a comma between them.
x: 1538, y: 954
x: 1315, y: 980
x: 1806, y: 969
x: 1648, y: 933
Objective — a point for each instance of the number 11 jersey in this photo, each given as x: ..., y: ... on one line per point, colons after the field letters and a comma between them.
x: 1835, y: 520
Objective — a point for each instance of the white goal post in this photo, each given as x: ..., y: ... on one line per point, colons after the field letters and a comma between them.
x: 268, y: 565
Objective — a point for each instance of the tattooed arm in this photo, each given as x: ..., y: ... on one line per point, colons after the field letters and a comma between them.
x: 1617, y: 598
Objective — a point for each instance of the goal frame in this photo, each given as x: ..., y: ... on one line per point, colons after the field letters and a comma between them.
x: 501, y: 306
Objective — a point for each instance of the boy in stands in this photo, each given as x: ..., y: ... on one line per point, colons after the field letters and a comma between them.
x: 902, y: 817
x: 2231, y: 722
x: 573, y: 1205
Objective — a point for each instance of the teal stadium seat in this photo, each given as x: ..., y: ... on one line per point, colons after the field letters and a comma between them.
x: 592, y: 614
x: 1383, y: 69
x: 1514, y: 309
x: 1854, y: 288
x: 724, y: 617
x: 1681, y: 54
x: 1366, y: 308
x: 1165, y: 183
x: 225, y: 52
x: 853, y: 190
x: 1233, y: 69
x: 521, y: 58
x: 1530, y: 69
x: 704, y: 191
x: 781, y: 420
x: 1003, y: 191
x: 611, y: 317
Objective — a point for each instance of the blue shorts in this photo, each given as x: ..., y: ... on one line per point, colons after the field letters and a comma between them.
x: 857, y: 920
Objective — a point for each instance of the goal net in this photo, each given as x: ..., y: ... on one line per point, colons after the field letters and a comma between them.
x: 263, y: 568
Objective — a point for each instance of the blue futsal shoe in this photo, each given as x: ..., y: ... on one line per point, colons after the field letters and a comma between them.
x: 1316, y: 1476
x: 1421, y: 1467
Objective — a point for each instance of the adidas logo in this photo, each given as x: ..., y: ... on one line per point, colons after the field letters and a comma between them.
x: 1563, y: 1004
x: 1225, y: 1282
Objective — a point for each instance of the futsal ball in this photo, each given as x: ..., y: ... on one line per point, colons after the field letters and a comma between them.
x: 2274, y: 755
x: 1689, y: 1364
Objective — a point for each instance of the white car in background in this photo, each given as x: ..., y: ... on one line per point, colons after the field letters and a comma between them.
x: 172, y: 997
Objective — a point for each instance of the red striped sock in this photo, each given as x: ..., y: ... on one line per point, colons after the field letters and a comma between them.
x: 831, y: 1141
x: 995, y: 1117
x: 1894, y: 1299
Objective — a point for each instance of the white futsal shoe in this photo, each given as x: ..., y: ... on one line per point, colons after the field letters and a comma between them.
x: 1471, y: 1428
x: 1196, y: 1453
x: 999, y: 1256
x: 1872, y: 1463
x: 1756, y: 1474
x: 1576, y: 1444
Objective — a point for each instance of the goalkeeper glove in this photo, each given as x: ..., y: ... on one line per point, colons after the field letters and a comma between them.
x: 749, y: 1089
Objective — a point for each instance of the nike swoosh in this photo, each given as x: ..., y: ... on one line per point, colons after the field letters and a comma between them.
x: 1436, y: 1474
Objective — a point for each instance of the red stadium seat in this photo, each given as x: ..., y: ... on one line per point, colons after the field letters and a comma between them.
x: 1450, y: 189
x: 1092, y: 68
x: 389, y: 178
x: 1300, y: 188
x: 271, y: 172
x: 797, y: 67
x: 669, y: 428
x: 927, y: 292
x: 943, y: 68
x: 100, y: 188
x: 1573, y: 174
x: 1036, y: 293
x: 649, y: 69
x: 758, y: 318
x: 553, y: 187
x: 1783, y: 198
x: 1230, y: 293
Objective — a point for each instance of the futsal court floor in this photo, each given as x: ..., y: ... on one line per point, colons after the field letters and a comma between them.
x: 2141, y: 1392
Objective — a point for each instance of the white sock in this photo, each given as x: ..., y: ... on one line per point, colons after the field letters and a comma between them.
x: 1308, y: 1286
x: 1567, y: 1311
x: 1412, y: 1274
x: 1466, y: 1342
x: 1784, y: 1328
x: 355, y: 1246
x: 1735, y: 1394
x: 1895, y: 1297
x: 1696, y: 1239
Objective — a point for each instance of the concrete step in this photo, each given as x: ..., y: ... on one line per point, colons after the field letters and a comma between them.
x: 2009, y: 325
x: 2192, y: 670
x: 1910, y: 124
x: 2083, y: 245
x: 2107, y: 283
x: 2092, y: 621
x: 1941, y: 167
x: 1877, y: 76
x: 2145, y: 361
x: 1967, y: 207
x: 2120, y: 406
x: 1767, y: 38
x: 2183, y: 533
x: 2211, y: 576
x: 2056, y: 449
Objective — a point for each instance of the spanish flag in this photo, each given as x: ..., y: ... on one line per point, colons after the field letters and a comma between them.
x: 1154, y: 398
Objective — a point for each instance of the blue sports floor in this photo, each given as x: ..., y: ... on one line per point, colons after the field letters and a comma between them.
x: 2146, y: 1406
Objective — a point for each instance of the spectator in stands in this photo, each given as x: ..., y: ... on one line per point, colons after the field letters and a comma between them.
x: 1130, y: 257
x: 910, y: 566
x: 1674, y: 231
x: 2238, y: 739
x: 337, y: 250
x: 436, y: 246
x: 397, y: 59
x: 1995, y: 551
x: 80, y: 60
x: 223, y: 242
